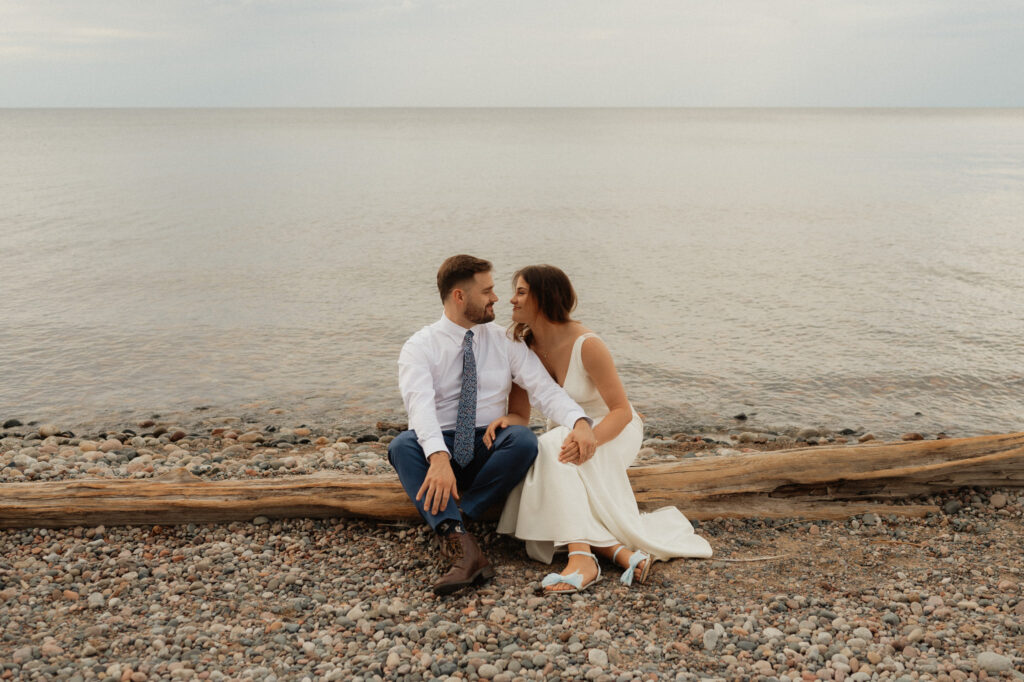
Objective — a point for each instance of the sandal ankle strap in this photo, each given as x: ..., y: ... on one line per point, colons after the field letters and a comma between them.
x: 592, y: 556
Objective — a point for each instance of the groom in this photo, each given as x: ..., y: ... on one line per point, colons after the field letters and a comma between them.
x: 455, y: 376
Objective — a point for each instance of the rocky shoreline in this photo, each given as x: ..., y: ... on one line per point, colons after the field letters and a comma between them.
x: 872, y: 597
x: 248, y: 446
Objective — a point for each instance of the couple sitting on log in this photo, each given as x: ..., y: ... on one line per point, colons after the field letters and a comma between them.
x: 467, y: 385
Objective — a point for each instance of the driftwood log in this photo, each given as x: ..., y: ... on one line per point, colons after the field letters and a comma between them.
x: 812, y: 483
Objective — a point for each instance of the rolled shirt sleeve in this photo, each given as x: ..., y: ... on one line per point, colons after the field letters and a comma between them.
x: 554, y: 402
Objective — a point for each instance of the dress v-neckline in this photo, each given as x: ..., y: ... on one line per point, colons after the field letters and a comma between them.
x: 572, y: 355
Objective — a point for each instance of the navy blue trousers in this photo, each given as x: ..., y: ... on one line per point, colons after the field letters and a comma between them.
x: 485, y: 481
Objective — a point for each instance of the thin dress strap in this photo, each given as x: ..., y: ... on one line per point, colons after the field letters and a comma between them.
x: 577, y: 347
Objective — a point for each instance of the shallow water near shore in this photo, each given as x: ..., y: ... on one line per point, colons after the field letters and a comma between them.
x: 834, y: 268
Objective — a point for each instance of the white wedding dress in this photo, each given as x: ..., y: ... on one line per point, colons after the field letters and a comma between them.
x: 560, y: 503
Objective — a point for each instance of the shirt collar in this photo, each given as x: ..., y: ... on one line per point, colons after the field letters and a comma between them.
x: 456, y: 331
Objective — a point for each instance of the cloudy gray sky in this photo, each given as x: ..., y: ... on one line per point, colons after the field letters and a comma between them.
x: 504, y: 53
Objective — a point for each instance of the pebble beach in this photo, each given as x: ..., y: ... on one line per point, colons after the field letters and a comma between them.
x: 870, y: 597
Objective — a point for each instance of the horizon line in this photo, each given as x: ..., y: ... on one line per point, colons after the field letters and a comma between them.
x: 517, y: 106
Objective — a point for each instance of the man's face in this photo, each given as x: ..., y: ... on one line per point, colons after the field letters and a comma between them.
x: 480, y: 298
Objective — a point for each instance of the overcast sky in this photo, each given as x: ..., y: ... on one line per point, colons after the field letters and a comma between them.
x: 511, y: 53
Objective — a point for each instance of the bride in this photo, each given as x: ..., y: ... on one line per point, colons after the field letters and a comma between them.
x: 568, y: 501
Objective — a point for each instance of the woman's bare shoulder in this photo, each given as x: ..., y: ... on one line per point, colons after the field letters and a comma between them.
x: 593, y: 347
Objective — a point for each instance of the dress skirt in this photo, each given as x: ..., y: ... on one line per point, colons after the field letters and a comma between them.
x: 593, y: 503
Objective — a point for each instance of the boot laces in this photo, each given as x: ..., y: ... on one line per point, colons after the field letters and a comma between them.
x: 453, y: 548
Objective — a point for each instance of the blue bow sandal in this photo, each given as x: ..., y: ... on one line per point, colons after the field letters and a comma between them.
x: 575, y: 579
x: 634, y: 561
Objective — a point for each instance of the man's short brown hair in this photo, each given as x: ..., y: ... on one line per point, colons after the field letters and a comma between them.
x: 456, y: 270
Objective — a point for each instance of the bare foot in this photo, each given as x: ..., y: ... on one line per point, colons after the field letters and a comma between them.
x: 583, y: 565
x: 622, y: 558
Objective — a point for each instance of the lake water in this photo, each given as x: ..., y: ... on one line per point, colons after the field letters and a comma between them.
x: 835, y: 268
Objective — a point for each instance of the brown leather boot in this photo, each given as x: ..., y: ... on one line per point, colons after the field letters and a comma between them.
x: 468, y: 563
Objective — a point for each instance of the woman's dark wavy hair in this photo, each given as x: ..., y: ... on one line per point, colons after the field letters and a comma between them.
x: 553, y: 292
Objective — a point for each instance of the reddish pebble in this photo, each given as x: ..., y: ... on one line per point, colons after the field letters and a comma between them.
x: 50, y: 649
x: 176, y: 436
x: 110, y: 445
x: 70, y: 595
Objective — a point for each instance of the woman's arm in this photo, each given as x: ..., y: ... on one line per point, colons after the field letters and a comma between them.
x: 518, y: 414
x: 597, y: 360
x: 519, y: 405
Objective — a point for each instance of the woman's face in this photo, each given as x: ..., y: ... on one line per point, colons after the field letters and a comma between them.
x: 524, y: 306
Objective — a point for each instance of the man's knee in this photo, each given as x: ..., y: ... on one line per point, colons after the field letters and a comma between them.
x: 403, y: 446
x: 519, y: 435
x: 520, y: 439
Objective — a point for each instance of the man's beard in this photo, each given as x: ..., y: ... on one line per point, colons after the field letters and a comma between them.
x: 479, y: 315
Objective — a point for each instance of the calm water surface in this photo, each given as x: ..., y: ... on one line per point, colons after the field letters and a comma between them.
x: 839, y: 268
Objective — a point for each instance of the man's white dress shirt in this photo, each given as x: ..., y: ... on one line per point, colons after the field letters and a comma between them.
x: 430, y: 378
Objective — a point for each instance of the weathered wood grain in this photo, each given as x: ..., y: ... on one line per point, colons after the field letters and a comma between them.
x: 813, y: 483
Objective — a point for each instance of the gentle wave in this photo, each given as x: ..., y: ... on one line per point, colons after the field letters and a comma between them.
x: 834, y: 268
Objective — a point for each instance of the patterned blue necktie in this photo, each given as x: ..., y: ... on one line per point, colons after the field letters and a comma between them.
x: 465, y: 422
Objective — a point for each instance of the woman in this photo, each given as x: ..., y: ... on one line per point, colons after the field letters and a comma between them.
x: 568, y: 501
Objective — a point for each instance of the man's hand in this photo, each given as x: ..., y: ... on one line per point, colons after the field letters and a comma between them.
x: 580, y: 445
x: 439, y: 485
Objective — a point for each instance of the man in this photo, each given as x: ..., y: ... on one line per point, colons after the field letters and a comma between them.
x: 455, y: 376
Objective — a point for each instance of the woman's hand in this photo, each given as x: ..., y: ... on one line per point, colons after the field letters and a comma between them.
x: 492, y: 430
x: 580, y: 445
x: 510, y: 419
x: 570, y: 453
